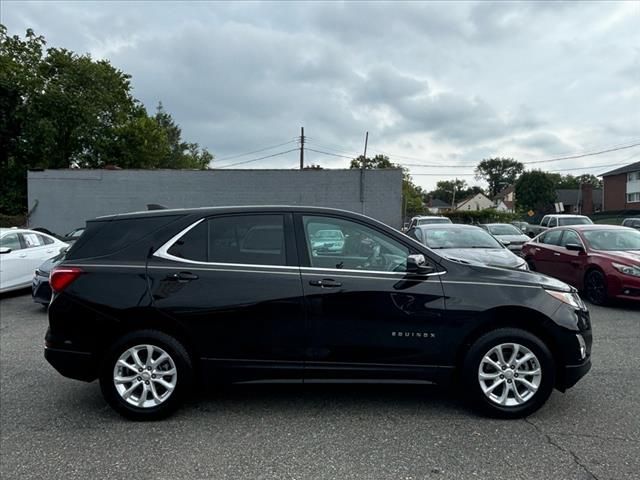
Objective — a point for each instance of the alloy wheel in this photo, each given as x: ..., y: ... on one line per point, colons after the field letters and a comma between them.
x: 595, y: 288
x: 145, y: 376
x: 509, y: 374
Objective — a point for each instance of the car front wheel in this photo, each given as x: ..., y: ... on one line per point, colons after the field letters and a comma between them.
x: 145, y: 375
x: 509, y: 373
x: 595, y: 287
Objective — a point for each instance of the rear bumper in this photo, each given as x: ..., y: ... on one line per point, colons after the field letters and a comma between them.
x: 72, y: 364
x: 573, y: 373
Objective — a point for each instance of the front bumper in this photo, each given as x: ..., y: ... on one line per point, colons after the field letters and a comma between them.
x: 624, y: 287
x: 41, y: 290
x: 573, y: 373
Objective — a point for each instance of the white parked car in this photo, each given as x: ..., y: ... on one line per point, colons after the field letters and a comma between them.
x: 21, y: 252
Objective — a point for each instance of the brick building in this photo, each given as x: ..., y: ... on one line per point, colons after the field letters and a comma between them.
x: 622, y: 188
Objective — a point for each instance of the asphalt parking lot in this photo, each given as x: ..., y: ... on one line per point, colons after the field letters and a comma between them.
x: 52, y: 427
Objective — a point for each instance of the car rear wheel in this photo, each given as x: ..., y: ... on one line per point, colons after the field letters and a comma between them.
x: 595, y: 287
x: 508, y: 373
x: 145, y: 375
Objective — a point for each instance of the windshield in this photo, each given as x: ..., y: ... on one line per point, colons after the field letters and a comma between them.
x: 504, y: 230
x: 459, y: 238
x: 574, y: 221
x: 613, y: 239
x: 427, y: 221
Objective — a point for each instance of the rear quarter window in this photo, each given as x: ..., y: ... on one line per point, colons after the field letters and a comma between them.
x: 106, y: 237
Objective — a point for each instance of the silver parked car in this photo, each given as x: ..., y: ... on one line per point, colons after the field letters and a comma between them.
x: 510, y: 236
x: 468, y: 243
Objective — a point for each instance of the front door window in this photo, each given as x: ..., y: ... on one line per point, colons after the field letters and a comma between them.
x: 342, y: 244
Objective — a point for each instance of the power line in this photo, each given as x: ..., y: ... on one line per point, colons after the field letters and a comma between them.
x: 256, y: 151
x: 568, y: 157
x: 328, y: 153
x: 344, y: 150
x: 256, y: 159
x: 571, y: 157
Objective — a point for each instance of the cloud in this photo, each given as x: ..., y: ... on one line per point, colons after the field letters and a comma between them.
x: 452, y: 84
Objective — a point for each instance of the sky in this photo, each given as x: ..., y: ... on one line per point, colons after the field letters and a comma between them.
x: 438, y: 84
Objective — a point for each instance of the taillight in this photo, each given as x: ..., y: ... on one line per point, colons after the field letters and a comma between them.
x: 61, y: 278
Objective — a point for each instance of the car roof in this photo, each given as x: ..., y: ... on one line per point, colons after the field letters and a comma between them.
x: 494, y: 224
x: 452, y: 226
x: 204, y: 211
x: 565, y: 215
x: 428, y: 216
x: 586, y: 227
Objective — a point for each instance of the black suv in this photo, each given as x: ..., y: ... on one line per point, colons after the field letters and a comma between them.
x: 153, y: 303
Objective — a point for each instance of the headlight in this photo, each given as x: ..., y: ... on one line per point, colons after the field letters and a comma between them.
x: 626, y: 269
x: 570, y: 298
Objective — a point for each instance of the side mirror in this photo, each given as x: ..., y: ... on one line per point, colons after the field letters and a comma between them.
x: 574, y: 247
x: 418, y: 264
x: 505, y: 242
x: 5, y: 250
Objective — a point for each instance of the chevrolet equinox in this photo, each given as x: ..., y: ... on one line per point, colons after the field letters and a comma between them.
x: 155, y: 303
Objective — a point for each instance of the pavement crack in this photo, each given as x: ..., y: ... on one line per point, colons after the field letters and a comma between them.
x: 551, y: 442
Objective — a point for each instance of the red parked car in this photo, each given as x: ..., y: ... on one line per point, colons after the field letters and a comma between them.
x: 603, y: 261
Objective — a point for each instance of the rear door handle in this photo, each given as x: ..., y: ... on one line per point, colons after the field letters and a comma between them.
x: 325, y: 283
x: 182, y: 276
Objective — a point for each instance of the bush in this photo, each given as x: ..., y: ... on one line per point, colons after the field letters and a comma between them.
x: 489, y: 215
x: 12, y: 220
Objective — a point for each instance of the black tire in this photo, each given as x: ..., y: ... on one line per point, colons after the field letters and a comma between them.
x: 472, y: 388
x: 595, y: 287
x: 183, y: 380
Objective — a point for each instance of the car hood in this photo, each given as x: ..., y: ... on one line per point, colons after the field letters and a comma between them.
x: 628, y: 256
x: 513, y: 238
x: 497, y: 257
x: 511, y: 275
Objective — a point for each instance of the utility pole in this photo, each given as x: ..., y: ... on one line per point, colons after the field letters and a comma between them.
x: 453, y: 199
x: 301, y: 148
x: 364, y: 159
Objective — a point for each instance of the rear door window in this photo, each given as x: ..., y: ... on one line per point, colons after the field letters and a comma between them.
x: 241, y: 239
x: 32, y: 240
x: 247, y: 239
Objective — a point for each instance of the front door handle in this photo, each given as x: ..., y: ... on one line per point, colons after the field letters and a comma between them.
x: 182, y: 276
x: 556, y: 254
x: 325, y: 283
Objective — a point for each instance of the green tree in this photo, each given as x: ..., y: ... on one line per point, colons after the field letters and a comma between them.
x: 60, y: 109
x: 573, y: 182
x: 498, y: 173
x: 412, y: 194
x: 535, y: 190
x: 180, y: 154
x: 444, y: 190
x: 379, y: 161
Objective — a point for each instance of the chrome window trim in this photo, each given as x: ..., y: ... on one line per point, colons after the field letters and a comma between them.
x: 163, y: 252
